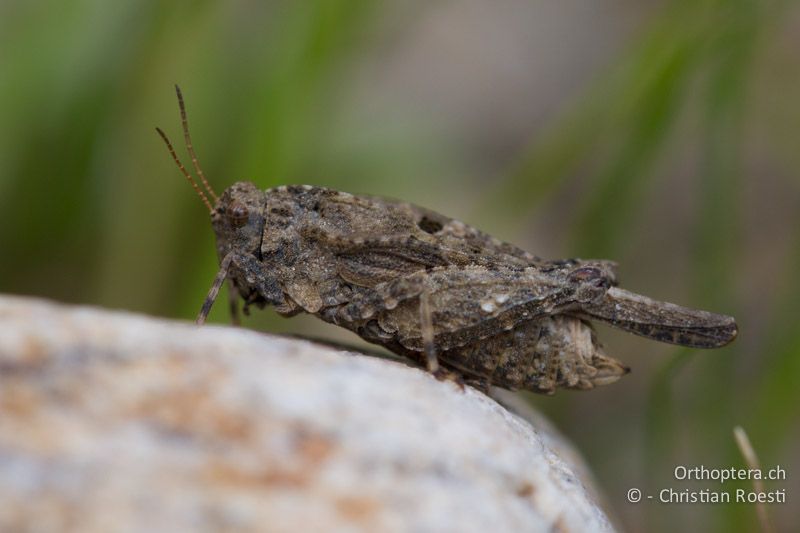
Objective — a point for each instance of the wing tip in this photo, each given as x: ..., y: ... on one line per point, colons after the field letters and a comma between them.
x: 728, y: 332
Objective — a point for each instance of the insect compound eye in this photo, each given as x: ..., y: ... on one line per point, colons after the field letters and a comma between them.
x: 238, y: 214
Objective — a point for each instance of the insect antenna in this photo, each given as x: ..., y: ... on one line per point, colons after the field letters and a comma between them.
x: 189, y: 147
x: 184, y: 171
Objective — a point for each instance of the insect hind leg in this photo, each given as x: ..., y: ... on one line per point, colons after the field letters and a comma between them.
x: 429, y: 345
x: 426, y: 328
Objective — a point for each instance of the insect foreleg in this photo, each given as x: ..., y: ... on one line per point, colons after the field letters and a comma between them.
x: 245, y: 268
x: 222, y: 275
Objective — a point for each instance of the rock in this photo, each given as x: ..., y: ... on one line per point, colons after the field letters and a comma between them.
x: 115, y: 422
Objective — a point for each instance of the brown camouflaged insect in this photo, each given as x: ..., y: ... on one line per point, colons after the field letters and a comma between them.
x: 430, y: 287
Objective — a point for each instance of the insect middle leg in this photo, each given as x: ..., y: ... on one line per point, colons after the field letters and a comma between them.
x: 267, y: 288
x: 233, y: 302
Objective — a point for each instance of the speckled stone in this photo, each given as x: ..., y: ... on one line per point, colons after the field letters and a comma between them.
x: 115, y: 422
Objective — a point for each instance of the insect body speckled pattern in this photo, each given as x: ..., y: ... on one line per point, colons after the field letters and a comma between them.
x: 433, y: 288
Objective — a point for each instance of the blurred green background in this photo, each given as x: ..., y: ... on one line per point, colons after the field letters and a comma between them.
x: 663, y: 134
